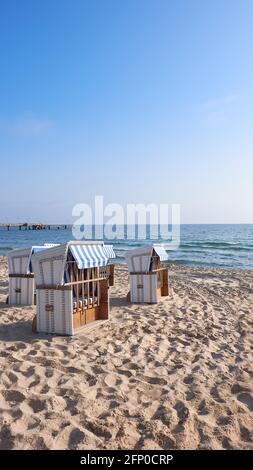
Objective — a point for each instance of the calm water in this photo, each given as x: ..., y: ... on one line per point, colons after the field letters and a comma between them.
x: 206, y: 245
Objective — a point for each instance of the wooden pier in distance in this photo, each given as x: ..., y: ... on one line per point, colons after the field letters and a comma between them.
x: 34, y: 226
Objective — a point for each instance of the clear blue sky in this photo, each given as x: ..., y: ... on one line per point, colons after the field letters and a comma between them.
x: 136, y: 100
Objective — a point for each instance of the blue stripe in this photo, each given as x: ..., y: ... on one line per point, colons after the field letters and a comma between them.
x: 101, y: 255
x: 89, y: 256
x: 80, y: 260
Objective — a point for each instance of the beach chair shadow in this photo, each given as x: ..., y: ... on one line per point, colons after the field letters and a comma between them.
x: 4, y: 305
x: 20, y: 331
x: 118, y: 301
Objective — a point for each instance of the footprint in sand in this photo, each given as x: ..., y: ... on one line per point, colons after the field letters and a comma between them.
x: 13, y: 396
x: 73, y: 370
x: 130, y: 365
x: 34, y: 383
x: 38, y: 443
x: 182, y: 412
x: 113, y: 404
x: 216, y: 396
x: 17, y: 414
x: 226, y: 443
x: 224, y: 420
x: 33, y: 423
x: 153, y: 380
x: 45, y: 389
x: 49, y: 372
x: 134, y: 349
x: 204, y: 438
x: 33, y: 352
x: 190, y: 395
x: 217, y: 356
x: 29, y: 372
x: 97, y: 429
x: 237, y: 388
x: 124, y: 372
x: 37, y: 405
x: 202, y: 408
x: 163, y: 415
x: 247, y: 399
x: 196, y: 358
x: 165, y: 441
x: 246, y: 435
x: 92, y: 381
x: 71, y: 405
x: 6, y: 438
x: 12, y: 377
x: 76, y: 437
x: 188, y: 379
x: 97, y: 370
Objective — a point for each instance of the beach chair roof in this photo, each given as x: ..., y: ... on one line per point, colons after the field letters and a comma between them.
x: 161, y: 252
x: 50, y: 265
x: 19, y: 259
x: 139, y: 259
x: 89, y: 256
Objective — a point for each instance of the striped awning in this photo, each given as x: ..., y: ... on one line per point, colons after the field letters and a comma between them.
x: 109, y: 252
x: 161, y: 252
x: 89, y: 256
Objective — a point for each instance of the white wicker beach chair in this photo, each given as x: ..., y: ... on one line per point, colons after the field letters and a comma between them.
x: 21, y: 276
x: 72, y: 286
x: 148, y: 277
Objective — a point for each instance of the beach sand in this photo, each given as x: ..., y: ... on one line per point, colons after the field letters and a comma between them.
x: 176, y: 375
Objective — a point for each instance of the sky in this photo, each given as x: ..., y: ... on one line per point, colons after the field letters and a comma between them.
x: 140, y: 101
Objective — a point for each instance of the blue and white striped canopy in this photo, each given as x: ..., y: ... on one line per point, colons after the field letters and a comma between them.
x: 109, y: 252
x: 89, y: 256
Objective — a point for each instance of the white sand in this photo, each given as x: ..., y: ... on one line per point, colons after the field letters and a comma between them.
x: 178, y: 374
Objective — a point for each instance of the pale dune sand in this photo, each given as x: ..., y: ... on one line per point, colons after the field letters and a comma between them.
x: 176, y: 375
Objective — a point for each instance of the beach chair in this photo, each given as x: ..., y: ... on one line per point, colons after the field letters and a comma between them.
x: 21, y: 276
x: 148, y: 277
x: 72, y: 286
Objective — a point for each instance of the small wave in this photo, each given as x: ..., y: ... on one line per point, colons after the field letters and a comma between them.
x: 188, y: 262
x: 216, y: 246
x: 5, y: 248
x: 191, y: 262
x: 126, y: 243
x: 119, y: 255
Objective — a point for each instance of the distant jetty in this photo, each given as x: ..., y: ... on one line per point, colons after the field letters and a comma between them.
x: 33, y: 226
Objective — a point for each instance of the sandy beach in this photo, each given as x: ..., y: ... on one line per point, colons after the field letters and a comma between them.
x: 176, y: 375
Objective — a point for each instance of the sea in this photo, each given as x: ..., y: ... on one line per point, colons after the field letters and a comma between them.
x: 225, y: 246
